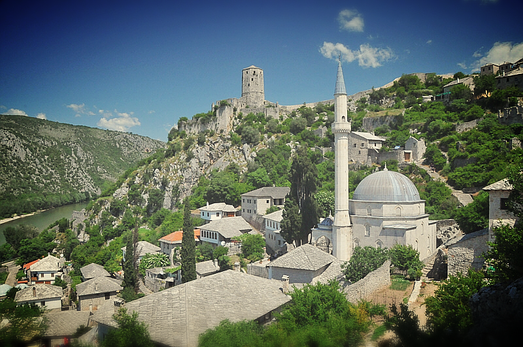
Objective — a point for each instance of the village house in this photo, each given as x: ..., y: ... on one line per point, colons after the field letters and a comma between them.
x: 447, y: 88
x: 498, y: 209
x: 305, y: 264
x: 489, y: 69
x: 45, y: 270
x: 96, y: 292
x: 220, y: 232
x: 206, y: 268
x: 363, y: 146
x: 142, y: 249
x: 160, y: 278
x: 513, y: 78
x: 168, y: 243
x: 178, y: 315
x: 258, y: 201
x: 217, y: 211
x: 43, y: 295
x: 62, y: 326
x: 272, y: 227
x: 93, y: 270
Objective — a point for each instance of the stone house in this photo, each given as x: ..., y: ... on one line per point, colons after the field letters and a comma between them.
x: 498, y: 212
x: 178, y: 315
x: 43, y: 295
x: 143, y: 248
x: 414, y: 150
x: 257, y: 202
x: 467, y: 81
x: 206, y: 268
x: 217, y: 211
x: 364, y: 146
x: 272, y: 227
x: 466, y: 252
x: 93, y: 270
x: 489, y: 69
x: 45, y: 270
x: 62, y: 325
x: 168, y: 243
x: 160, y: 278
x: 220, y: 232
x: 305, y: 264
x: 96, y: 292
x: 512, y: 78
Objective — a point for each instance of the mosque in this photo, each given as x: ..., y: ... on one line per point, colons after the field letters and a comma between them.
x: 385, y: 210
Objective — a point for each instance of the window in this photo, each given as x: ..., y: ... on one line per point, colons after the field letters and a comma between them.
x: 267, y: 201
x: 107, y: 296
x: 367, y: 230
x: 52, y: 275
x: 41, y: 275
x: 217, y: 214
x: 42, y: 303
x: 369, y: 211
x: 503, y: 204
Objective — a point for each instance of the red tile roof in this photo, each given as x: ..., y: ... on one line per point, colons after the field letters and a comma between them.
x: 177, y: 236
x: 28, y: 265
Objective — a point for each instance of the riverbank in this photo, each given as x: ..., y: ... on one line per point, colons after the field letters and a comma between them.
x: 7, y: 220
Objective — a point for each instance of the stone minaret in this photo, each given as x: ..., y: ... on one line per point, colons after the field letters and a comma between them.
x: 253, y: 93
x: 341, y: 229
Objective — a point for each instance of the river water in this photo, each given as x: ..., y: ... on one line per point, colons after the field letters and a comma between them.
x: 43, y: 219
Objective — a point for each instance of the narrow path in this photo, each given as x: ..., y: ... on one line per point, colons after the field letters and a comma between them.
x: 463, y: 198
x: 13, y: 270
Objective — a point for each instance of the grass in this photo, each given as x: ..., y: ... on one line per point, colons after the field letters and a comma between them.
x: 3, y: 277
x: 399, y: 283
x: 378, y: 332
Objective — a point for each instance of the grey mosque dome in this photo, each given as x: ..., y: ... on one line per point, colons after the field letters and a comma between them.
x: 386, y: 186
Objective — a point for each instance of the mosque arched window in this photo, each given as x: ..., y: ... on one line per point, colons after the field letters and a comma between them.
x: 379, y: 244
x: 398, y: 211
x: 367, y: 230
x: 369, y: 211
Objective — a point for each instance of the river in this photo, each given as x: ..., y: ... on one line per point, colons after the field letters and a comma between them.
x: 43, y: 219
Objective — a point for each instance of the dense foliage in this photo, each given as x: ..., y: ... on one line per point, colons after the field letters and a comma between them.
x: 188, y: 252
x: 318, y: 315
x: 364, y: 260
x: 130, y: 332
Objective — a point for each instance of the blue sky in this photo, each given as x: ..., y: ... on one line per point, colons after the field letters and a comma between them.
x: 139, y: 66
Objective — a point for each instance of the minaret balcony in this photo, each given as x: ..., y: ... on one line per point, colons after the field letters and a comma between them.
x: 341, y: 127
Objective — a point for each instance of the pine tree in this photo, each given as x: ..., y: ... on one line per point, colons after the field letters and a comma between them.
x: 188, y: 253
x: 304, y: 183
x: 129, y: 267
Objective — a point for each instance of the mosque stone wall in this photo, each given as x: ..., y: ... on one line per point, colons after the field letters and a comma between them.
x: 372, y: 282
x: 467, y: 253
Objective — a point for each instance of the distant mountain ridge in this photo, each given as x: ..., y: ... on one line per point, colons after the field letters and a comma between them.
x: 45, y: 164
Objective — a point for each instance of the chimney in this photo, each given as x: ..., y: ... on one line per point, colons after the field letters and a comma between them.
x: 285, y: 280
x: 237, y: 266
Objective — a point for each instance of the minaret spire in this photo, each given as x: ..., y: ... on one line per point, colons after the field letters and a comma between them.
x: 342, y: 227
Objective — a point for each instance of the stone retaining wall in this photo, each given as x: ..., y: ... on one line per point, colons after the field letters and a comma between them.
x: 372, y: 282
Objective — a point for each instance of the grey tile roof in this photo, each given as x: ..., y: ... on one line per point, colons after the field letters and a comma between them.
x: 144, y: 247
x: 368, y: 136
x: 228, y: 227
x: 276, y: 216
x: 65, y: 323
x: 39, y: 292
x: 499, y: 185
x: 273, y: 192
x: 98, y: 285
x: 94, y: 270
x: 219, y: 206
x: 207, y: 267
x: 178, y: 315
x: 305, y: 257
x: 49, y: 263
x: 332, y: 272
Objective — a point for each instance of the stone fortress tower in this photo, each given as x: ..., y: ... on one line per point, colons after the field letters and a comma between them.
x: 341, y: 228
x: 253, y: 93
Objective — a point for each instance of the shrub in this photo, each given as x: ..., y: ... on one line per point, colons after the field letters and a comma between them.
x: 364, y: 260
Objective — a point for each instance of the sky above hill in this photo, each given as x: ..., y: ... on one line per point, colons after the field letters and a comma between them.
x: 139, y: 66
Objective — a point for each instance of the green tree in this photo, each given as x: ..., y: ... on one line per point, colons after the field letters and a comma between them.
x: 449, y: 307
x: 252, y: 246
x: 130, y: 333
x: 325, y: 200
x: 14, y: 235
x: 484, y: 84
x: 21, y: 323
x: 220, y: 254
x: 364, y: 260
x: 259, y: 178
x: 250, y: 135
x: 474, y: 216
x: 297, y: 125
x: 7, y: 252
x: 188, y: 253
x: 152, y: 260
x: 130, y: 281
x: 406, y: 259
x: 291, y: 221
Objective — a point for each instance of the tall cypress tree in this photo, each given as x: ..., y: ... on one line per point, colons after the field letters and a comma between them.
x: 130, y: 277
x: 188, y: 252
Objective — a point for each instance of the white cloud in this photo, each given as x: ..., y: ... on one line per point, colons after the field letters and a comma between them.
x: 80, y: 110
x: 122, y: 121
x: 41, y: 116
x: 462, y: 65
x: 499, y: 53
x: 351, y: 20
x: 429, y: 42
x: 15, y: 112
x: 367, y: 56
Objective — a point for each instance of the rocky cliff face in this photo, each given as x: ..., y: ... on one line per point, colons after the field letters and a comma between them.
x: 40, y: 157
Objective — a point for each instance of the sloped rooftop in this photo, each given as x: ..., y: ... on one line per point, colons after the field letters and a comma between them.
x: 177, y: 236
x: 98, y: 285
x: 305, y: 257
x: 49, y: 263
x: 273, y: 192
x: 65, y: 323
x: 276, y: 216
x: 39, y: 292
x: 178, y: 315
x: 499, y: 185
x: 219, y: 206
x: 228, y: 227
x: 94, y: 270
